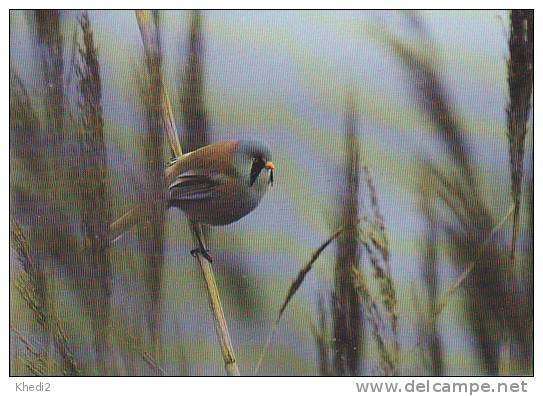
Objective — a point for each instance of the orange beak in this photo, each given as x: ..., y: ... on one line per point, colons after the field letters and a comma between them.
x: 269, y: 165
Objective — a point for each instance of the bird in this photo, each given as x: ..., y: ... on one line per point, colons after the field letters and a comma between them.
x: 216, y: 185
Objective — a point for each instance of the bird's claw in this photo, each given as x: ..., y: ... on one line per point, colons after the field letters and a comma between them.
x: 203, y: 252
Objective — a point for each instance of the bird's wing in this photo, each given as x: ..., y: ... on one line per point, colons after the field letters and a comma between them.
x: 193, y: 185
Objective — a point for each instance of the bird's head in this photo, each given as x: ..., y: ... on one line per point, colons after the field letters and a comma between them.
x: 254, y: 163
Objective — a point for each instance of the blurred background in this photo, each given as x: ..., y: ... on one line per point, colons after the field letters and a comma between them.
x: 410, y: 131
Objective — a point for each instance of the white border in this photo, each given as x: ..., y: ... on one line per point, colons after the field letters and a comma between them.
x: 243, y: 386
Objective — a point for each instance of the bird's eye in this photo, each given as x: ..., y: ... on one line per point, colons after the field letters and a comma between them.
x: 256, y: 168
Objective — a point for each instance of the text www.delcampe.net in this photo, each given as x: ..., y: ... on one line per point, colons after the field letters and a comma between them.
x: 441, y: 387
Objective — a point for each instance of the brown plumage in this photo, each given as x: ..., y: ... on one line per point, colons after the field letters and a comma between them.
x: 217, y: 184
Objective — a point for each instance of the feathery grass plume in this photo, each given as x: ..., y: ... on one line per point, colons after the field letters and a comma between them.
x: 48, y: 206
x: 33, y: 289
x: 63, y: 213
x: 55, y: 213
x: 430, y: 338
x: 49, y: 43
x: 375, y: 242
x: 24, y: 125
x: 351, y: 299
x: 151, y: 233
x: 50, y: 49
x: 372, y: 234
x: 380, y: 311
x: 34, y: 192
x: 520, y: 74
x: 93, y: 195
x: 346, y: 313
x: 495, y: 301
x: 27, y: 147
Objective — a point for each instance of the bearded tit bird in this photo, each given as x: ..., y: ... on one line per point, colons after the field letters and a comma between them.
x: 217, y: 184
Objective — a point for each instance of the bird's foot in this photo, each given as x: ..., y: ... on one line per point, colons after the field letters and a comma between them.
x: 203, y: 252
